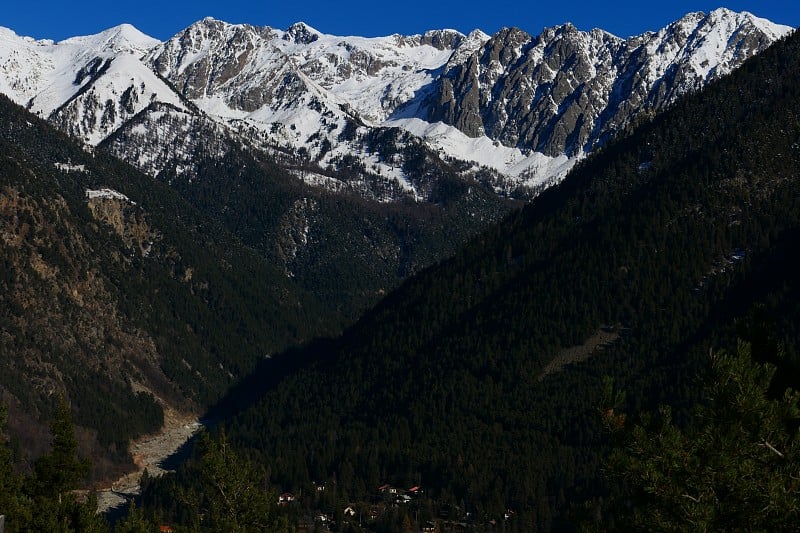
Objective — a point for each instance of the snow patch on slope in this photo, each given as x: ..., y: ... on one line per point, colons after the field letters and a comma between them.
x: 107, y: 194
x: 530, y: 169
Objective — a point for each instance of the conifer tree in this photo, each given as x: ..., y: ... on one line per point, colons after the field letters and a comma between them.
x: 8, y: 481
x: 12, y: 504
x: 60, y: 470
x: 43, y: 502
x: 134, y: 522
x: 736, y: 467
x: 230, y: 494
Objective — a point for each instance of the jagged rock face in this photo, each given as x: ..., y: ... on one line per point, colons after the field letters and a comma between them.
x: 128, y: 221
x: 509, y: 89
x: 566, y: 90
x: 442, y: 39
x: 250, y: 68
x: 300, y: 33
x: 207, y: 57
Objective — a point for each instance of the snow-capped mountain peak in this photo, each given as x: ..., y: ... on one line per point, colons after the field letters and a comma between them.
x: 301, y: 33
x: 119, y: 39
x: 523, y: 108
x: 44, y: 75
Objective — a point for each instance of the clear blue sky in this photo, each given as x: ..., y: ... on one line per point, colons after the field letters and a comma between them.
x: 163, y: 18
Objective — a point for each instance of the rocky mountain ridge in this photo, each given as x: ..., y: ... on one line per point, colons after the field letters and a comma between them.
x: 566, y: 91
x: 519, y: 109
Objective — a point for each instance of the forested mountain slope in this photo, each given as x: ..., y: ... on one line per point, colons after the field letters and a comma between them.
x: 675, y: 239
x: 346, y: 250
x: 118, y: 296
x: 351, y: 163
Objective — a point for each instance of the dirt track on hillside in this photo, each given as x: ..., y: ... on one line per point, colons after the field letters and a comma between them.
x: 575, y: 354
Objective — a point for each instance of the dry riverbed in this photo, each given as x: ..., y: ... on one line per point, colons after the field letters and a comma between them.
x: 149, y: 453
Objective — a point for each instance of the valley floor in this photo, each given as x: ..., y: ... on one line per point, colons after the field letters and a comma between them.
x: 149, y: 453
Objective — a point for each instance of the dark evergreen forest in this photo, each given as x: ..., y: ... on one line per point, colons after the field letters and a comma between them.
x: 677, y: 238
